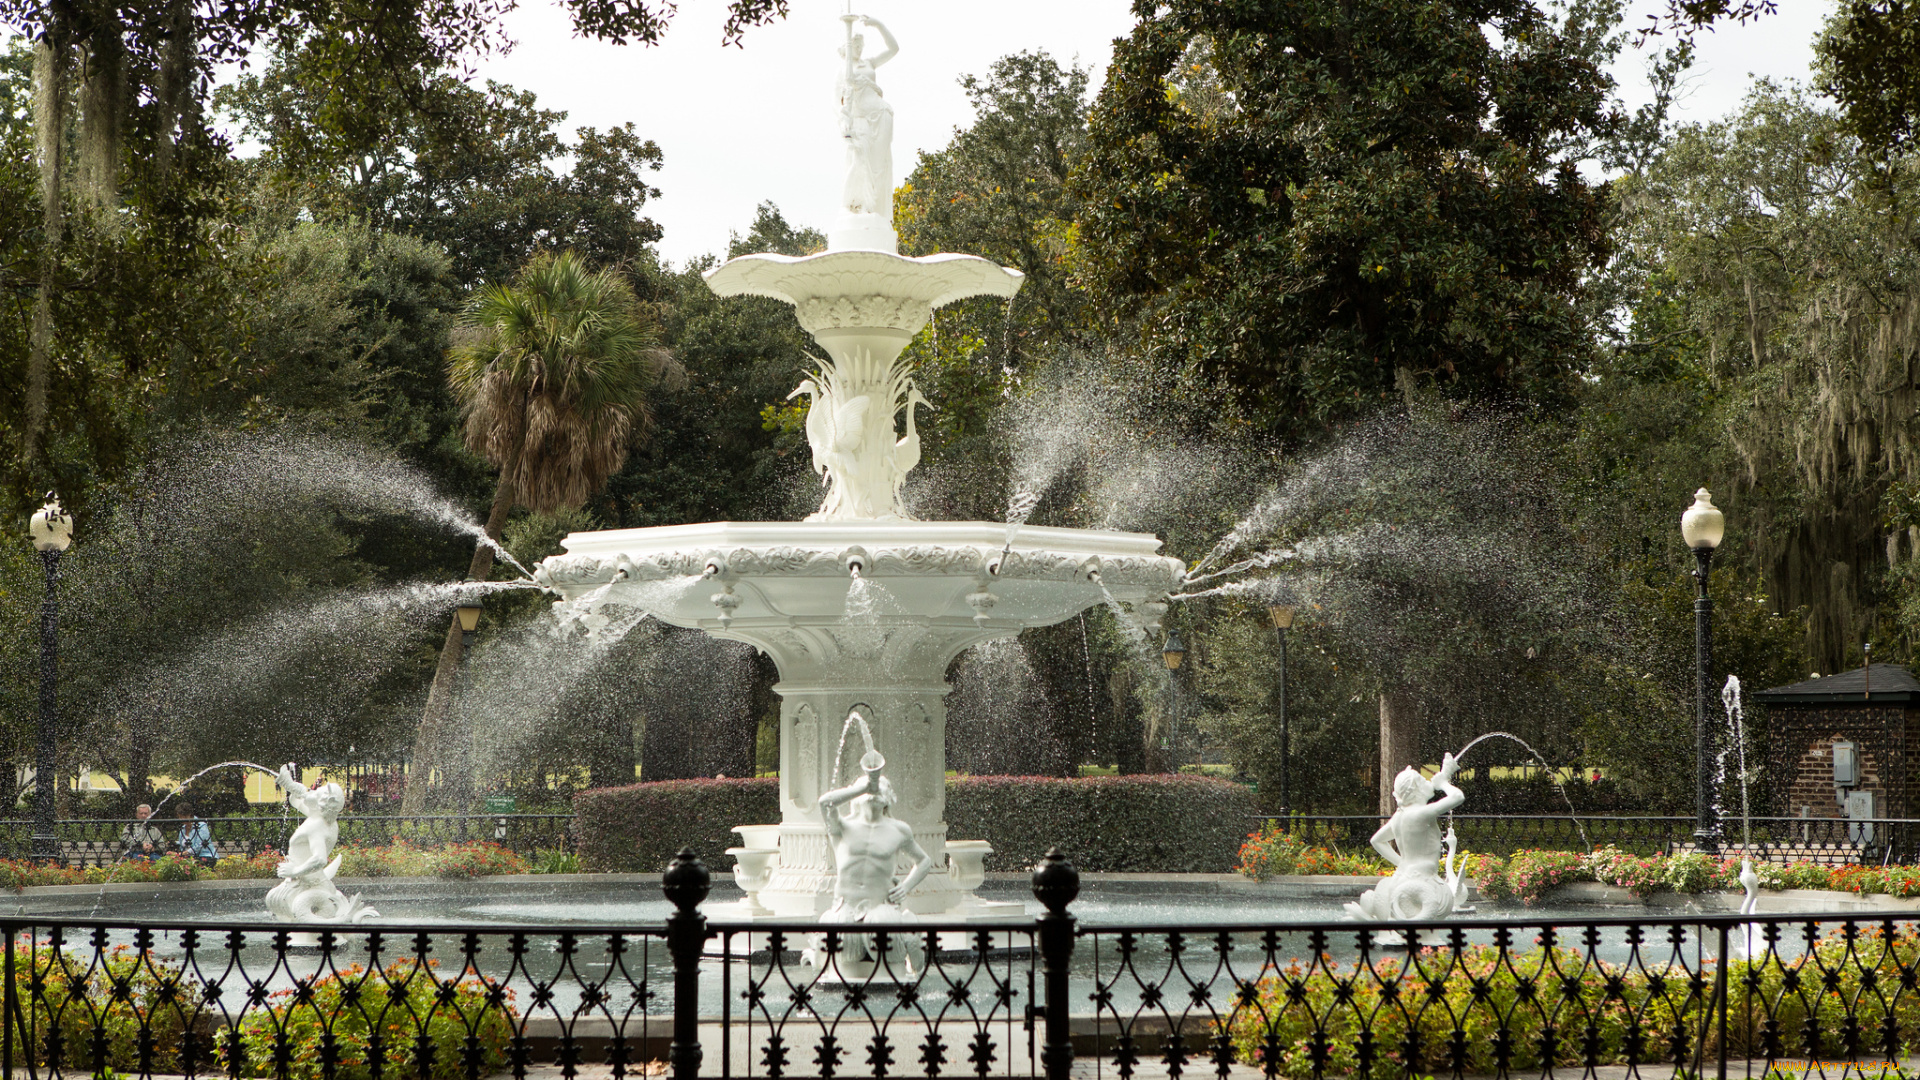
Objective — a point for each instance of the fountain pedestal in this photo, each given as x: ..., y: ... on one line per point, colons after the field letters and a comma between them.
x: 860, y: 605
x: 925, y: 591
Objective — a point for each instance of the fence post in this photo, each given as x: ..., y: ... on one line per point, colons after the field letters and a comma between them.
x: 1720, y: 995
x: 686, y: 883
x: 1055, y: 884
x: 7, y: 1009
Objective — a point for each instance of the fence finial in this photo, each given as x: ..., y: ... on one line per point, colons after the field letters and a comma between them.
x: 686, y: 881
x: 1055, y: 882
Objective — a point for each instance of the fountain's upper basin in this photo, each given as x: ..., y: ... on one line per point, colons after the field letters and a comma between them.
x: 797, y: 573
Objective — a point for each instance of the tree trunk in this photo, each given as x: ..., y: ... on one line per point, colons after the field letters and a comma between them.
x: 139, y: 765
x: 612, y: 760
x: 1400, y: 730
x: 51, y: 70
x: 1130, y: 740
x: 440, y: 743
x: 1157, y: 743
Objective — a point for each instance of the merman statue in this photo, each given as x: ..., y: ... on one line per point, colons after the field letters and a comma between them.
x: 306, y: 893
x: 1411, y: 842
x: 867, y: 843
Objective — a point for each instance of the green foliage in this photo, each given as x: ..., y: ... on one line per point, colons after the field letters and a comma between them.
x: 479, y: 858
x: 1793, y: 273
x: 1868, y: 55
x: 1640, y: 727
x: 1325, y: 205
x: 1500, y: 1007
x: 466, y: 170
x: 130, y: 1000
x: 1164, y: 824
x: 999, y: 190
x: 554, y: 861
x: 731, y: 446
x: 1105, y: 824
x: 465, y: 1023
x: 639, y: 828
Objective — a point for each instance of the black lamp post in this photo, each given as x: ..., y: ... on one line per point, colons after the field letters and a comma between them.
x: 52, y: 530
x: 469, y: 612
x: 1282, y: 616
x: 1173, y: 653
x: 1703, y: 526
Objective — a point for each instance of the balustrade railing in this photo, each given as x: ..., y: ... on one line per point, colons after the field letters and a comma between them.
x: 1525, y: 995
x: 1832, y: 841
x: 101, y: 841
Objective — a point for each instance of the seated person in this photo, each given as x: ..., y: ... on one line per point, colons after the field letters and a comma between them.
x: 142, y: 840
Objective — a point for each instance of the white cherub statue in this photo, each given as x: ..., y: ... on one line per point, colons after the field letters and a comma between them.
x: 306, y: 893
x: 1411, y: 842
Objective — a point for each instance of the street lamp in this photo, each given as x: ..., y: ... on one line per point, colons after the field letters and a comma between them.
x: 1703, y: 526
x: 469, y: 622
x: 51, y: 530
x: 1173, y: 652
x: 469, y: 615
x: 1282, y: 617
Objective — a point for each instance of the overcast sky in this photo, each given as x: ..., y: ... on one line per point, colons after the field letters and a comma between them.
x: 741, y: 126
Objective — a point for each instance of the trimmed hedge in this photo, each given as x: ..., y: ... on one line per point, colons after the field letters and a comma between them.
x: 1140, y: 824
x: 640, y: 827
x: 1159, y: 824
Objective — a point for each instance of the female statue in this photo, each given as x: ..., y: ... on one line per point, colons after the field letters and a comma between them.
x: 866, y: 123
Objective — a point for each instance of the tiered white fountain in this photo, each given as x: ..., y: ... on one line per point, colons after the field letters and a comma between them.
x: 860, y: 605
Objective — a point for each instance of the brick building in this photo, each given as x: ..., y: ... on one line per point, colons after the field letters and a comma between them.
x: 1847, y: 745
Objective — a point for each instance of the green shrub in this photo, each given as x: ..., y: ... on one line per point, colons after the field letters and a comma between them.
x: 639, y: 828
x: 401, y: 1003
x: 554, y: 861
x: 1162, y: 824
x: 70, y: 996
x: 1112, y: 824
x: 1513, y: 1006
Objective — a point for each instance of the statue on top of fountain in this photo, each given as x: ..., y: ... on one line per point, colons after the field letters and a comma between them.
x: 1411, y: 842
x: 307, y: 893
x: 866, y: 123
x: 867, y: 845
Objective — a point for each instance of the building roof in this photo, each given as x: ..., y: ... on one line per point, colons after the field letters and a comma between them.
x: 1889, y: 684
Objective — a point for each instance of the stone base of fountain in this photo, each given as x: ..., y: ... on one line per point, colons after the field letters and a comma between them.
x: 867, y: 616
x: 776, y: 893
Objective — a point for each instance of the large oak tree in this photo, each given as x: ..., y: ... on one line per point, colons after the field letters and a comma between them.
x: 1320, y: 203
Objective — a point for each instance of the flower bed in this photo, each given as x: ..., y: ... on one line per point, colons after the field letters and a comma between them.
x: 128, y: 1009
x: 1273, y: 852
x: 1560, y: 1006
x: 1530, y: 876
x: 398, y: 860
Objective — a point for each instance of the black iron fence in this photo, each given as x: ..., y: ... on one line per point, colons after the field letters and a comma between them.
x: 95, y: 842
x: 1790, y: 839
x: 1037, y: 996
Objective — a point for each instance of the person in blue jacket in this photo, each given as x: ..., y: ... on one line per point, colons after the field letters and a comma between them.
x: 196, y: 836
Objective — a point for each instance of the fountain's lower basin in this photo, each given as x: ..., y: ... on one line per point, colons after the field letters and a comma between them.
x: 866, y: 615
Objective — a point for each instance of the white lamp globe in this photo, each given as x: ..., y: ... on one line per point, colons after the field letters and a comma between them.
x: 1703, y: 524
x: 51, y: 527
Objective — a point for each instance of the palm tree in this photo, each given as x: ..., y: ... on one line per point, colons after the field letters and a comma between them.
x: 553, y: 373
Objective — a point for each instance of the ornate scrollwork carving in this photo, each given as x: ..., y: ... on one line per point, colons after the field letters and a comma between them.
x: 563, y: 570
x: 917, y: 735
x: 914, y: 561
x: 908, y: 313
x: 806, y: 756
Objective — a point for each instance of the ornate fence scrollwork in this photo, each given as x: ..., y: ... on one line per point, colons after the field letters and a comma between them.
x: 1657, y: 994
